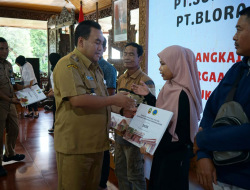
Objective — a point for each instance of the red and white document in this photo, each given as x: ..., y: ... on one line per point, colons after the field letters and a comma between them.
x: 145, y: 129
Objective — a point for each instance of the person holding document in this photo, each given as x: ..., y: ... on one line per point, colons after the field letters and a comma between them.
x: 181, y: 95
x: 129, y: 163
x: 29, y: 79
x: 83, y: 111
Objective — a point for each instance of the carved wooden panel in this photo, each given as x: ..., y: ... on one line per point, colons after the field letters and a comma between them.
x: 143, y: 31
x: 25, y: 13
x: 66, y: 17
x: 52, y: 21
x: 52, y: 41
x: 58, y: 42
x: 102, y: 14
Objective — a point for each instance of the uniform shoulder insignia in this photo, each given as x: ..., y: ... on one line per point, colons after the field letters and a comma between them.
x: 74, y: 57
x: 72, y: 65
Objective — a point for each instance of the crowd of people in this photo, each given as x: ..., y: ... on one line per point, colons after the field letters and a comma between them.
x: 85, y: 92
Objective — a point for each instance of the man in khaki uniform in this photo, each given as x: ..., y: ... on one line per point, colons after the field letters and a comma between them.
x: 83, y: 111
x: 8, y: 114
x: 129, y: 167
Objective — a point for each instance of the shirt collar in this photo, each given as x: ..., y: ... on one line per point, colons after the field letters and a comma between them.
x: 82, y: 57
x: 246, y: 60
x: 134, y: 75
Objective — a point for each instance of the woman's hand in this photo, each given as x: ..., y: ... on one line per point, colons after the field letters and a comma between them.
x: 140, y: 89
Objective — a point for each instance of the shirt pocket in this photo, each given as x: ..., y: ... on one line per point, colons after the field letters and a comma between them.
x: 3, y: 78
x: 91, y: 87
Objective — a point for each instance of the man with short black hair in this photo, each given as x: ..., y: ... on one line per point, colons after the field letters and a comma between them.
x: 8, y: 114
x: 229, y: 137
x: 82, y: 111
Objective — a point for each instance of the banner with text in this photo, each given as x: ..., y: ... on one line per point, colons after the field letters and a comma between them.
x: 206, y: 27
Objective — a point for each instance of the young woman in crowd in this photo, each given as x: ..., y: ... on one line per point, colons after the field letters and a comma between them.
x: 181, y: 94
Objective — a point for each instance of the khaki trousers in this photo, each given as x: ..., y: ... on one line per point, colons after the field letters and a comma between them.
x: 8, y: 121
x: 129, y: 167
x: 79, y: 171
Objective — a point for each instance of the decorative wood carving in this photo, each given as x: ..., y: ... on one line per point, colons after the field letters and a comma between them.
x: 102, y: 14
x: 52, y: 21
x: 66, y: 18
x: 57, y: 41
x: 25, y: 14
x: 52, y: 43
x: 143, y: 31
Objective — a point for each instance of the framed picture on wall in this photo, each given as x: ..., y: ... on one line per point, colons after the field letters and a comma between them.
x: 120, y: 20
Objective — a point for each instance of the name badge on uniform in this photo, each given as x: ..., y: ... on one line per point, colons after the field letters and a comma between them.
x: 12, y: 80
x: 89, y: 77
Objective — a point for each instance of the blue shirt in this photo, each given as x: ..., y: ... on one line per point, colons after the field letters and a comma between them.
x: 109, y: 72
x: 228, y: 138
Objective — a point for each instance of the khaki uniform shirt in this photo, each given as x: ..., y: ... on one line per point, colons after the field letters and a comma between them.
x: 79, y: 130
x: 124, y: 83
x: 6, y: 71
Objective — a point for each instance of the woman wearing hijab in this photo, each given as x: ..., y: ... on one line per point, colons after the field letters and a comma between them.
x: 29, y: 79
x: 181, y: 94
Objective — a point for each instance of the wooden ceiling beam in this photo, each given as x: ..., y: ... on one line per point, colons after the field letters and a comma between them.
x: 9, y: 12
x: 30, y: 14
